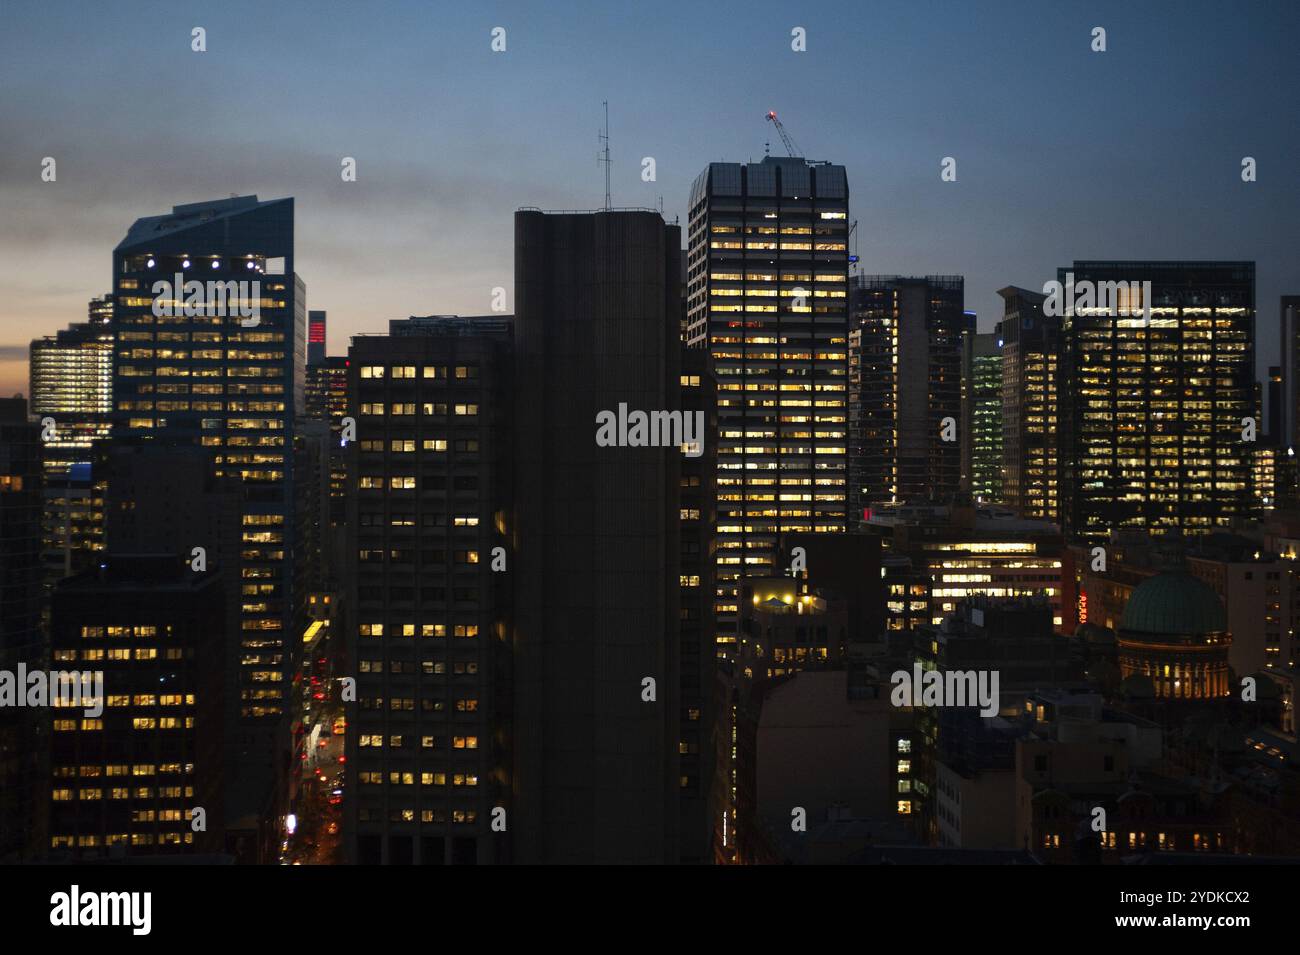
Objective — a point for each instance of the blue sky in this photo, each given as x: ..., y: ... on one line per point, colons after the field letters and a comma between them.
x: 1061, y: 153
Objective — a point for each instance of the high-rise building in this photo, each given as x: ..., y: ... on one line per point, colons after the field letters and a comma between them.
x: 72, y: 392
x: 986, y: 418
x: 427, y: 603
x: 1154, y: 392
x: 210, y: 321
x: 21, y: 737
x: 596, y: 562
x: 99, y: 311
x: 1031, y: 351
x: 767, y: 295
x: 908, y: 421
x: 316, y: 323
x: 124, y: 780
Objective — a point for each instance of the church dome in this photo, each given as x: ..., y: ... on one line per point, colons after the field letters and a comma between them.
x: 1174, y: 603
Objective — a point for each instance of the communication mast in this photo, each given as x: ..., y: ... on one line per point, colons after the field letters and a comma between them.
x: 603, y: 155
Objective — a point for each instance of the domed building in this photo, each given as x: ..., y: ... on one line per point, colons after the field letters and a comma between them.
x: 1175, y: 631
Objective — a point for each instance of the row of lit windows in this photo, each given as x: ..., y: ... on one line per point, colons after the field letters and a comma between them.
x: 461, y: 372
x: 122, y: 838
x: 379, y: 741
x: 425, y: 630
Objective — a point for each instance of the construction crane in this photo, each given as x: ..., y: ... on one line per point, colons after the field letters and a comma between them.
x: 791, y: 146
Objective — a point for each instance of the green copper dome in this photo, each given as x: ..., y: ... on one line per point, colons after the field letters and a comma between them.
x: 1174, y: 603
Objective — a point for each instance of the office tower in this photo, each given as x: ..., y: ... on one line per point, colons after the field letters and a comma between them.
x: 986, y: 418
x: 21, y: 818
x: 124, y: 780
x: 597, y: 539
x: 315, y: 337
x: 767, y: 296
x: 222, y: 365
x: 906, y: 409
x: 427, y: 595
x: 1031, y: 351
x: 71, y: 375
x: 1152, y: 403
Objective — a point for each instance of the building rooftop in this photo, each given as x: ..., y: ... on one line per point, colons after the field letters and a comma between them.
x: 1174, y: 603
x: 189, y: 215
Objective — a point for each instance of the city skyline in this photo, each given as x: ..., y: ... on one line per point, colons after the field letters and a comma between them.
x: 1058, y: 145
x: 596, y: 434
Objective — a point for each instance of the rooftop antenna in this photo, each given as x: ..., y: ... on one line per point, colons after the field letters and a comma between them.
x: 603, y: 156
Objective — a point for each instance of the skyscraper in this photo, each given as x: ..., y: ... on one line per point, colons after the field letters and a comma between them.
x: 1153, y: 404
x: 907, y: 417
x: 220, y: 361
x: 596, y: 534
x: 768, y: 296
x: 986, y: 418
x: 428, y: 594
x: 72, y: 386
x: 1031, y: 354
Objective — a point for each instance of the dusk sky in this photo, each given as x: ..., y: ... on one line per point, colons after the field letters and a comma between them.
x: 1062, y: 153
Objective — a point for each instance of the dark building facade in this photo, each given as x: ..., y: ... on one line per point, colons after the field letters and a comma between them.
x: 427, y: 587
x: 1151, y: 429
x: 596, y: 541
x: 910, y: 342
x: 698, y: 658
x: 21, y: 640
